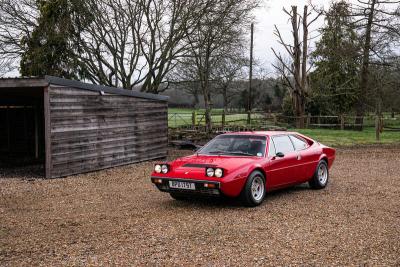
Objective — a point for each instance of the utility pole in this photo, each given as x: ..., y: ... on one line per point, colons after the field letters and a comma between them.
x: 250, y: 75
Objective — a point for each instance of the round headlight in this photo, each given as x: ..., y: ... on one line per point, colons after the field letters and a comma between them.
x: 157, y: 168
x: 218, y: 172
x: 164, y: 168
x: 210, y: 172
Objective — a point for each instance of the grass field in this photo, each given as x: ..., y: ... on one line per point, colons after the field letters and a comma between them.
x: 350, y: 138
x: 180, y: 117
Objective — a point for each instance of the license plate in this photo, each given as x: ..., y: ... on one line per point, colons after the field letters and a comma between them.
x: 182, y: 185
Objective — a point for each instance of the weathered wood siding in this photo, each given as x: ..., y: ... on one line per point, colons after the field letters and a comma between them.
x: 91, y: 131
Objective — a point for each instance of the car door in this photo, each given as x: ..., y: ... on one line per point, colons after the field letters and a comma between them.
x: 304, y: 157
x: 282, y: 170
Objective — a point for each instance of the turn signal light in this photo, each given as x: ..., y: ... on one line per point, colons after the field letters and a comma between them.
x: 210, y: 185
x: 157, y: 181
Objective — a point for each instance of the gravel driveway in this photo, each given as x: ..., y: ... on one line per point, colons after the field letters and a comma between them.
x: 117, y: 217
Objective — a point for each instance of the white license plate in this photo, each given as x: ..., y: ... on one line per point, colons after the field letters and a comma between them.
x: 182, y: 185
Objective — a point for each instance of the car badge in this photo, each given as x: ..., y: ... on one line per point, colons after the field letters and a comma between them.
x: 186, y: 172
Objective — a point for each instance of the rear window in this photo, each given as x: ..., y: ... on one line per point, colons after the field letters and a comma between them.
x: 298, y: 142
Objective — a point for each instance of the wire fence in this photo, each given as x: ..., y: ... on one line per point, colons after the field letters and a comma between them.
x: 260, y: 120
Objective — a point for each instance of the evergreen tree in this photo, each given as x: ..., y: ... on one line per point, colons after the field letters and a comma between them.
x: 336, y: 57
x: 50, y: 48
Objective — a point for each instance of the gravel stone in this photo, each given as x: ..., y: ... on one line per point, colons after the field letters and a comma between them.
x: 117, y: 217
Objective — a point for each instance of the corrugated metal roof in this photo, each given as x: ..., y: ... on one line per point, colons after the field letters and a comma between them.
x: 105, y: 89
x: 42, y: 82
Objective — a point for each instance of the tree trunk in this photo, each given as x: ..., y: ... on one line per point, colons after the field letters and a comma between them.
x: 342, y: 122
x: 207, y: 103
x: 378, y: 120
x: 300, y: 112
x: 360, y: 110
x: 196, y: 99
x: 249, y: 104
x: 225, y: 96
x: 298, y: 90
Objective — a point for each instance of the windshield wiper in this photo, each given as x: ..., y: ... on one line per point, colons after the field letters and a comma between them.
x: 217, y: 152
x: 240, y: 153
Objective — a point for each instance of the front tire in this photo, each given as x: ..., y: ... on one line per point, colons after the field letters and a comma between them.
x: 321, y: 176
x: 254, y: 190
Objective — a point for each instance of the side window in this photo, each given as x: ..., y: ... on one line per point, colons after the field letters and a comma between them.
x: 271, y: 149
x: 283, y: 144
x: 299, y: 144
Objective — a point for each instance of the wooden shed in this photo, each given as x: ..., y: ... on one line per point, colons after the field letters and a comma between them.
x: 73, y: 127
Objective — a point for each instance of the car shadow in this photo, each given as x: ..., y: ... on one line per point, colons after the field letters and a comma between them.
x: 232, y: 203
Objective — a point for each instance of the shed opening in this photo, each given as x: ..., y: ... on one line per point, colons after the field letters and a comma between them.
x: 21, y: 126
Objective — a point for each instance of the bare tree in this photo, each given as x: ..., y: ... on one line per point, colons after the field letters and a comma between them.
x: 226, y: 71
x: 131, y: 43
x: 128, y: 43
x: 17, y: 20
x: 220, y: 31
x: 378, y: 20
x: 6, y: 65
x: 296, y: 73
x: 184, y: 77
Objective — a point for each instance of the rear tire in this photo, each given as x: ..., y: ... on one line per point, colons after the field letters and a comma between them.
x: 253, y: 192
x: 321, y: 176
x: 177, y: 196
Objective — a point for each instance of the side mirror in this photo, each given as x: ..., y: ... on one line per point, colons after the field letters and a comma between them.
x: 280, y: 155
x: 197, y: 148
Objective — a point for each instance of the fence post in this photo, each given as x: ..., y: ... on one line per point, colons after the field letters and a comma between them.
x: 275, y: 119
x: 308, y: 121
x: 223, y: 118
x: 341, y: 122
x: 377, y: 128
x: 194, y: 116
x: 249, y: 117
x: 175, y: 120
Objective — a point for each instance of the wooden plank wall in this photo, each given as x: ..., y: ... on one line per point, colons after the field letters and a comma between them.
x: 90, y: 131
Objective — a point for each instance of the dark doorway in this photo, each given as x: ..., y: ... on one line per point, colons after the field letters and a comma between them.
x: 21, y: 127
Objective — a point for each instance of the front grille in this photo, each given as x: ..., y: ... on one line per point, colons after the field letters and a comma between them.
x: 199, y: 188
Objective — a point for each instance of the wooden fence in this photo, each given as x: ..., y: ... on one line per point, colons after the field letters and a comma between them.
x: 259, y: 120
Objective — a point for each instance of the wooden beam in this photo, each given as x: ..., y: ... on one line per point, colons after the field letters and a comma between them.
x: 21, y: 82
x: 8, y: 129
x: 36, y: 132
x: 47, y: 132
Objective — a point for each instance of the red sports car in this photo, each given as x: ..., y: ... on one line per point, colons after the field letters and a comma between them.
x: 247, y: 164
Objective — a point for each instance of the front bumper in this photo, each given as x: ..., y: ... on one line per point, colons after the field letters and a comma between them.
x: 207, y: 188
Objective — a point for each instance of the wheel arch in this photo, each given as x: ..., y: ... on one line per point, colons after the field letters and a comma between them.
x: 324, y: 158
x: 260, y: 170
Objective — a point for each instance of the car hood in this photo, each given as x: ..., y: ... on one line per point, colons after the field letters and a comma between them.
x: 200, y: 162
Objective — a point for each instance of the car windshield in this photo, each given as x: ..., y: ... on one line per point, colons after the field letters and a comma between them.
x: 236, y: 145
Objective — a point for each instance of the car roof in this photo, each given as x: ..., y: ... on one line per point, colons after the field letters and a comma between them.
x: 262, y: 133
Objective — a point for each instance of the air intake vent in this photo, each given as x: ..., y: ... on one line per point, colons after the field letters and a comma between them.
x: 194, y: 165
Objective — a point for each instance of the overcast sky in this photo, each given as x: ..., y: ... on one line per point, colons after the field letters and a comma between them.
x: 270, y: 14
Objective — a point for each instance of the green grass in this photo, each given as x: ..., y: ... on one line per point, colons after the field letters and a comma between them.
x: 183, y: 117
x: 350, y: 138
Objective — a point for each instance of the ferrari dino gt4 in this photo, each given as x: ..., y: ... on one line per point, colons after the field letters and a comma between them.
x: 246, y: 164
